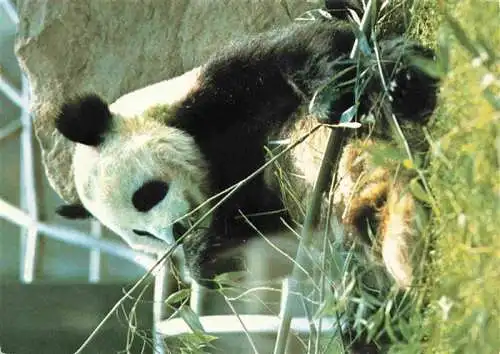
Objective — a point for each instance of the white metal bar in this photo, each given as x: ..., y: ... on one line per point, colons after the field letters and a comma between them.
x: 159, y: 296
x: 95, y: 253
x: 74, y: 237
x: 11, y: 92
x: 226, y: 324
x: 10, y: 10
x: 196, y: 298
x: 29, y: 187
x: 23, y: 233
x: 10, y: 129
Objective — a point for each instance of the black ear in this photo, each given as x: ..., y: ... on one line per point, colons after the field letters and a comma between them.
x: 84, y: 119
x: 73, y: 211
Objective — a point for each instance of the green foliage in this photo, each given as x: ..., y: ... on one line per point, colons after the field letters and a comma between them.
x: 456, y: 308
x: 463, y: 312
x: 191, y: 343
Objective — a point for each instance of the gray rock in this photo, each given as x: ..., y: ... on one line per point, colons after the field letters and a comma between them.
x: 112, y: 47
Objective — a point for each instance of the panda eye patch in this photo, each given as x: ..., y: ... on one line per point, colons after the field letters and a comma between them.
x: 150, y: 194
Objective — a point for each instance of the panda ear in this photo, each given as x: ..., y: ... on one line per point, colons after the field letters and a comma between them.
x: 84, y: 119
x: 73, y: 211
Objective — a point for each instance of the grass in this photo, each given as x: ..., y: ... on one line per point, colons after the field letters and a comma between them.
x: 461, y: 288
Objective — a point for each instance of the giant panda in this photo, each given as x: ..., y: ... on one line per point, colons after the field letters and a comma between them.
x: 149, y: 171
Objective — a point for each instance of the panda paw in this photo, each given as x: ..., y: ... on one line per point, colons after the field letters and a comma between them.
x: 413, y: 92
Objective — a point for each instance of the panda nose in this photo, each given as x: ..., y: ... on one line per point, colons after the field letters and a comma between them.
x: 178, y: 230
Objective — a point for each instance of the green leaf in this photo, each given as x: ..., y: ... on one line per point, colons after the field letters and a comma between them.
x: 418, y: 192
x: 383, y: 153
x: 194, y: 343
x: 443, y: 49
x: 493, y: 100
x: 363, y: 44
x: 460, y: 34
x: 485, y: 46
x: 178, y: 296
x: 348, y: 114
x: 323, y: 101
x: 430, y: 67
x: 230, y: 278
x: 191, y: 319
x: 374, y: 324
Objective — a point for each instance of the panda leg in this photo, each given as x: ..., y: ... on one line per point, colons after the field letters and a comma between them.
x: 398, y: 229
x: 378, y: 201
x: 395, y: 212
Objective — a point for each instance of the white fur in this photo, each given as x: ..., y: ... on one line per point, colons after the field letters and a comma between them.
x: 138, y: 150
x: 163, y: 92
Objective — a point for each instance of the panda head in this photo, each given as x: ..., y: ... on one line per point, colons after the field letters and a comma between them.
x: 137, y: 175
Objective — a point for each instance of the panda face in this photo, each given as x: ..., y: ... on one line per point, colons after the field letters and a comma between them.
x: 141, y: 181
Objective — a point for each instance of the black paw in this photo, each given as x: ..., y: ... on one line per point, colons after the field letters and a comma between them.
x: 414, y: 93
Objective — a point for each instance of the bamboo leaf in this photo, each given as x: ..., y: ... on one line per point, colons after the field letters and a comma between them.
x: 230, y: 278
x: 430, y: 67
x: 461, y: 35
x: 418, y: 192
x: 443, y: 49
x: 191, y: 319
x: 348, y: 114
x: 178, y: 296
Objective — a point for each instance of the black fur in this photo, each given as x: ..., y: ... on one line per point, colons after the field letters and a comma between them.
x: 73, y: 211
x: 84, y: 119
x: 247, y: 93
x: 414, y: 94
x: 150, y: 194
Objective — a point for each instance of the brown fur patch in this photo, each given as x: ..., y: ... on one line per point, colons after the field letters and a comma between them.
x: 367, y: 196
